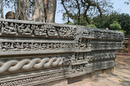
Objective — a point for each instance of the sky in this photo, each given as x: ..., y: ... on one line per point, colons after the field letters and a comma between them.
x: 118, y: 5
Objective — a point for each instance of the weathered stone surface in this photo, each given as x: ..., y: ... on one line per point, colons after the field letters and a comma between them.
x: 33, y: 53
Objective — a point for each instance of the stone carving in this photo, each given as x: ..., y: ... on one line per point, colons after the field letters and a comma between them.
x: 78, y: 70
x: 32, y: 79
x: 27, y: 64
x: 34, y: 30
x: 42, y: 46
x: 100, y: 56
x: 83, y: 63
x: 107, y: 34
x: 30, y: 46
x: 105, y: 45
x: 36, y: 47
x: 33, y: 53
x: 40, y: 31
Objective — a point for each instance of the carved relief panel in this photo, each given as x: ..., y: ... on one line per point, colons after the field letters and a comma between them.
x: 33, y: 53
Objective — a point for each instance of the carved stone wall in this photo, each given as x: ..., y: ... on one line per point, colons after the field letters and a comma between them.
x: 33, y: 53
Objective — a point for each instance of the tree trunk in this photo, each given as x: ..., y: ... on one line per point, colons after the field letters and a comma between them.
x: 38, y: 11
x: 50, y: 12
x: 2, y: 15
x: 28, y: 9
x: 16, y: 9
x: 19, y: 11
x: 22, y: 9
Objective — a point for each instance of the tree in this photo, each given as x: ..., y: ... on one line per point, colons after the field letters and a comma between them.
x: 127, y: 2
x: 124, y: 21
x: 115, y: 26
x: 2, y: 16
x: 38, y: 10
x: 50, y: 9
x: 41, y: 10
x: 3, y: 4
x: 20, y: 10
x: 114, y: 21
x: 92, y: 25
x: 74, y: 9
x: 105, y: 20
x: 20, y: 7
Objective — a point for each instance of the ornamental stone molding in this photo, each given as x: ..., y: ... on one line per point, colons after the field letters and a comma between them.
x: 33, y: 53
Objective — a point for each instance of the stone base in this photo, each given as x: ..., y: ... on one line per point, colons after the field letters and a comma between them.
x: 68, y: 82
x: 41, y: 54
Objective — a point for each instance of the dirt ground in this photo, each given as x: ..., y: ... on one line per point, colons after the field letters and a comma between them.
x: 120, y: 76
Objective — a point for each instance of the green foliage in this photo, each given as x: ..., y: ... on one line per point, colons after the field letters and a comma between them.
x: 69, y: 23
x: 114, y: 21
x: 105, y: 20
x: 124, y: 21
x: 92, y: 25
x: 81, y: 22
x: 115, y: 26
x: 81, y: 11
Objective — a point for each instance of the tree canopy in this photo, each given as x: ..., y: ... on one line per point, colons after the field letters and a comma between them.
x: 82, y: 10
x: 115, y: 26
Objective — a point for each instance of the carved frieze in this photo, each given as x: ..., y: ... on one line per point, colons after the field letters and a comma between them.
x: 102, y: 45
x: 32, y: 79
x: 36, y: 30
x: 26, y: 47
x: 107, y: 34
x: 104, y: 55
x: 33, y: 53
x: 77, y: 70
x: 23, y: 46
x: 30, y: 46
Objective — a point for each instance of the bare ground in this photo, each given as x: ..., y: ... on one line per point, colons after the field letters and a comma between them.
x: 120, y: 76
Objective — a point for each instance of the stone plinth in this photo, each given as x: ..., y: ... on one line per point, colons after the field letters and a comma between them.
x: 33, y: 53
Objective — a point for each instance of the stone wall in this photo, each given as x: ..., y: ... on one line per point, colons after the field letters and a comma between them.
x: 33, y: 53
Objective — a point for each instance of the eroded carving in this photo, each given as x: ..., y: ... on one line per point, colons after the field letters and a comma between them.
x: 34, y: 78
x: 97, y: 44
x: 34, y: 30
x: 39, y: 53
x: 31, y: 46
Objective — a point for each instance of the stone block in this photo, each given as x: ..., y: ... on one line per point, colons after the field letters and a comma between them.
x: 35, y: 53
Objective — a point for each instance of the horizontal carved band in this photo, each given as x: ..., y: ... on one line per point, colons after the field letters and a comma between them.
x: 42, y: 30
x: 38, y: 29
x: 90, y: 57
x: 76, y: 70
x: 27, y: 64
x: 34, y: 78
x: 82, y: 69
x: 107, y: 34
x: 30, y: 46
x: 38, y: 46
x: 98, y: 45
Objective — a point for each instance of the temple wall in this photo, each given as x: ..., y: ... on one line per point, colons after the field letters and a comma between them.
x: 33, y: 53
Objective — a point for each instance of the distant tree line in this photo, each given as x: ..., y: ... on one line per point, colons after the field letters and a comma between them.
x: 114, y: 21
x: 96, y: 14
